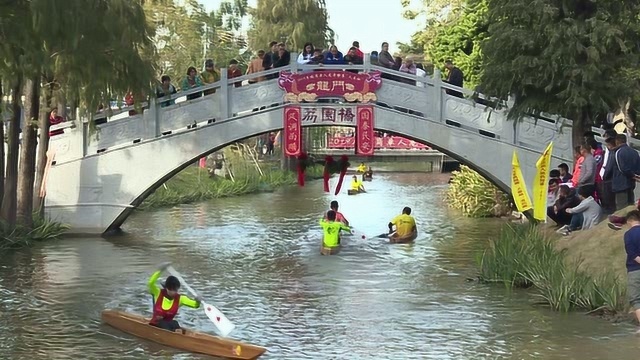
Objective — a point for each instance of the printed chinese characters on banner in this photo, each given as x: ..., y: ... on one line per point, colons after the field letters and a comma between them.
x: 387, y: 142
x: 292, y: 131
x: 315, y: 115
x: 365, y: 142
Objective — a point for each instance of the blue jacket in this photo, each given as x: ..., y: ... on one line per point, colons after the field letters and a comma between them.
x: 626, y: 165
x: 329, y: 59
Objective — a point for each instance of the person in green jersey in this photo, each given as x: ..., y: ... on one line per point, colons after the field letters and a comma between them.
x: 332, y: 229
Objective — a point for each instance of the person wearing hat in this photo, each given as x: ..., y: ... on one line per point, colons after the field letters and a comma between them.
x: 167, y: 300
x: 209, y: 76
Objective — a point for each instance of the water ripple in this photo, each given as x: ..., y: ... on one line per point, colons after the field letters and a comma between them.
x: 257, y: 259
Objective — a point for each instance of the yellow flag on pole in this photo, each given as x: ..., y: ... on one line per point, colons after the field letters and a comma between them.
x: 518, y: 186
x: 541, y: 183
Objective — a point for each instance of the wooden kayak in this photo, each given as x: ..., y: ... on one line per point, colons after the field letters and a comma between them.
x: 395, y: 239
x: 192, y: 341
x: 365, y: 178
x: 353, y: 192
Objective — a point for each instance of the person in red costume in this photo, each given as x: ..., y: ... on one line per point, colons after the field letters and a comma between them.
x: 167, y: 300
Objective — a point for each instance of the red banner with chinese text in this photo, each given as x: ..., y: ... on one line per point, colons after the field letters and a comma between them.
x: 386, y: 143
x: 292, y: 135
x: 365, y: 142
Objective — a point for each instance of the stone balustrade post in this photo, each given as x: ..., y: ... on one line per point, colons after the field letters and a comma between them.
x: 367, y: 62
x: 437, y: 95
x: 224, y: 94
x: 151, y: 118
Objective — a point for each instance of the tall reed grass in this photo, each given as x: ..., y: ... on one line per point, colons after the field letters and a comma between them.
x: 476, y: 196
x: 194, y: 184
x: 524, y: 257
x: 12, y: 237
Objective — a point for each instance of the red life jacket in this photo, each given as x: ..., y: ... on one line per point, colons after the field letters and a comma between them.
x: 166, y: 315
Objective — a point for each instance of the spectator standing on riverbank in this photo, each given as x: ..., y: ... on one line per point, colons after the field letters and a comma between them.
x: 578, y: 159
x: 632, y: 248
x: 626, y: 166
x: 607, y: 200
x: 587, y: 178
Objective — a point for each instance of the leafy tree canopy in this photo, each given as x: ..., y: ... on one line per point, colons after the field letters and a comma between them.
x: 293, y: 22
x: 454, y: 30
x: 569, y: 57
x: 186, y: 35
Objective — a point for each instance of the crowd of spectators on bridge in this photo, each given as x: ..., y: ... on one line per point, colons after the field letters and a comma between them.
x: 603, y: 181
x: 278, y: 56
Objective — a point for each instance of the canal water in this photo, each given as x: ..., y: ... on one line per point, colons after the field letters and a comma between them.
x: 256, y: 257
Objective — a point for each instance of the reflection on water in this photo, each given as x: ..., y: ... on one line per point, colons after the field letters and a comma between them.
x: 257, y: 258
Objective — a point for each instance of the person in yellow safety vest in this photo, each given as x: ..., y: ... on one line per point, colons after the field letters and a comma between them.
x: 332, y: 229
x: 362, y: 168
x: 356, y: 185
x: 167, y: 300
x: 405, y: 223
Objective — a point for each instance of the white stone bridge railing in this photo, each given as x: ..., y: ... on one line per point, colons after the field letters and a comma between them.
x: 225, y: 101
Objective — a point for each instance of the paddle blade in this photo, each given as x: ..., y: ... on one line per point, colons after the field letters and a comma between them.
x: 224, y: 326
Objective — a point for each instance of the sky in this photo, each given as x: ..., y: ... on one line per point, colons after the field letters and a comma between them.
x: 369, y: 21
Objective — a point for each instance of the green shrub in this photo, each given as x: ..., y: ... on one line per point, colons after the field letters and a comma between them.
x: 476, y: 196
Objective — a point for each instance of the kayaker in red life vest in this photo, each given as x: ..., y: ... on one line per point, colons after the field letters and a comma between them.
x: 166, y: 301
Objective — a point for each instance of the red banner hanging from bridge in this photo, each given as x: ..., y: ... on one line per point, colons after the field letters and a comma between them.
x: 318, y: 84
x: 387, y: 143
x: 365, y: 141
x: 292, y: 135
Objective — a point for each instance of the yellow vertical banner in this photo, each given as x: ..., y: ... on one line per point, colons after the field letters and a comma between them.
x: 518, y: 186
x: 541, y: 183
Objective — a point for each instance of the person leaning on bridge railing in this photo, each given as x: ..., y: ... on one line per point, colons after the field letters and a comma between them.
x: 209, y: 75
x: 165, y: 89
x: 270, y: 59
x: 353, y: 58
x: 255, y: 66
x: 192, y: 81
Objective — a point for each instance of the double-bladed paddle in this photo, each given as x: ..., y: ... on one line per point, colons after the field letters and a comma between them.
x: 216, y: 316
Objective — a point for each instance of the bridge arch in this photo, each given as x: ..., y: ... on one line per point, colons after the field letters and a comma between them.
x: 98, y: 179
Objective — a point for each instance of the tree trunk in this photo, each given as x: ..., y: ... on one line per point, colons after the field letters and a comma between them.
x: 28, y: 153
x: 43, y: 145
x: 1, y: 149
x: 8, y: 211
x: 581, y: 124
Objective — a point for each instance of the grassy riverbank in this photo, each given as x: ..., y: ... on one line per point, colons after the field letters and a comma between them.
x: 525, y: 256
x: 194, y: 184
x: 17, y: 237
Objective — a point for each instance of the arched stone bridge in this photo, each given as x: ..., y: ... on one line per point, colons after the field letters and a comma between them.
x: 98, y: 178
